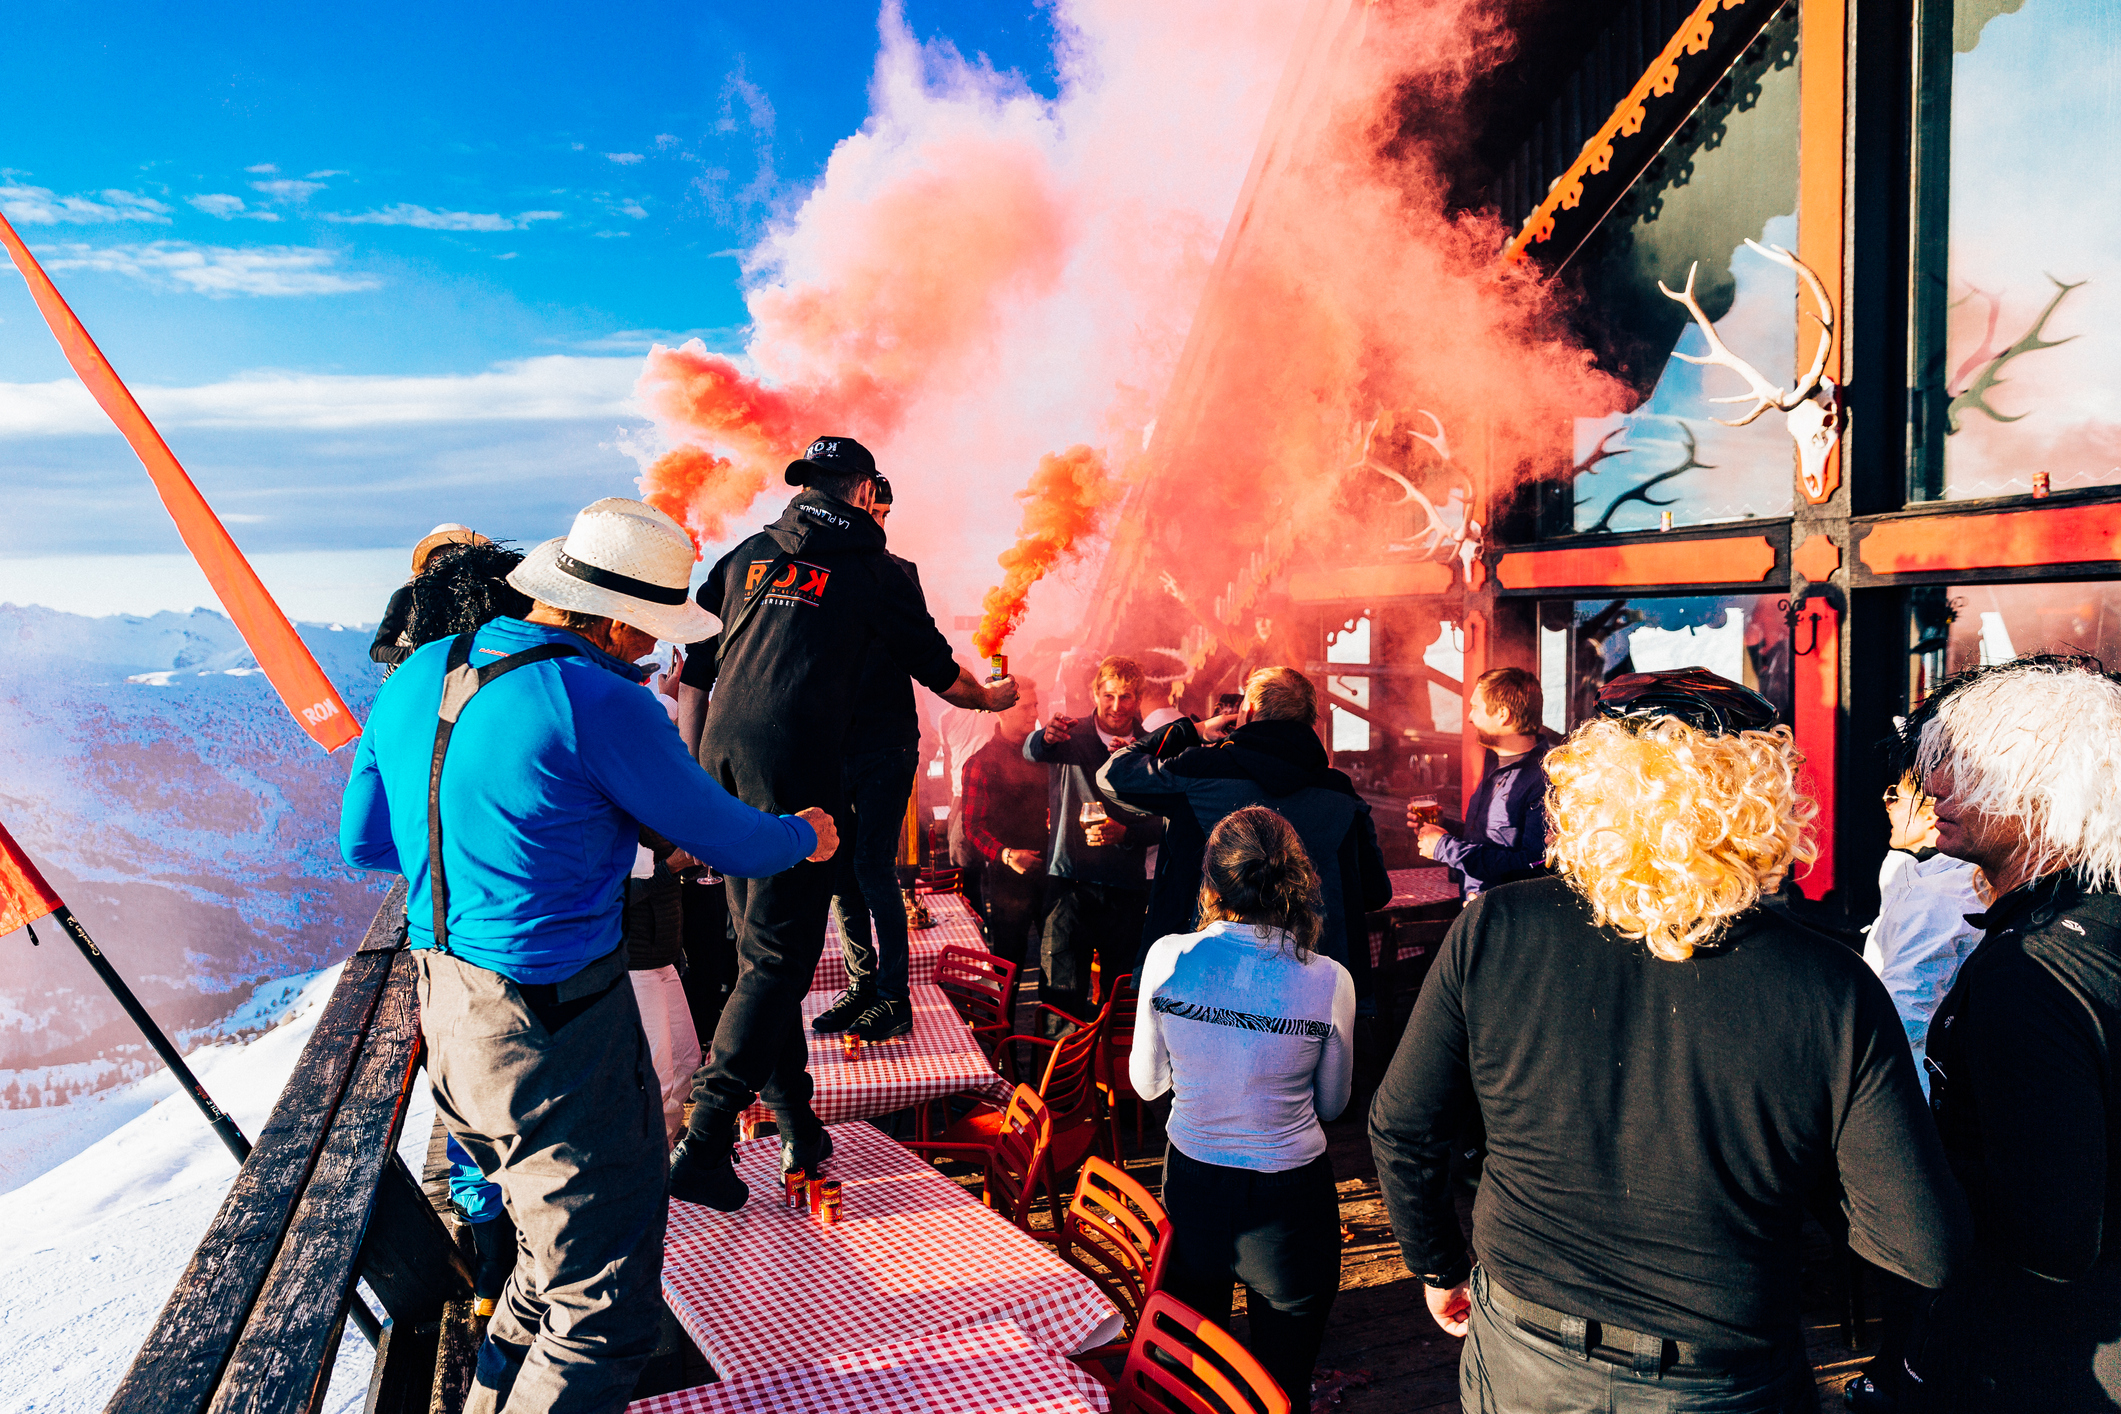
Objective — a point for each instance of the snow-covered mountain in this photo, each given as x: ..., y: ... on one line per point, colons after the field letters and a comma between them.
x: 150, y: 769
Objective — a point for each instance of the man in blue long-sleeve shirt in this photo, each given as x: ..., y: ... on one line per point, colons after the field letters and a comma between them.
x: 1505, y: 833
x: 555, y: 757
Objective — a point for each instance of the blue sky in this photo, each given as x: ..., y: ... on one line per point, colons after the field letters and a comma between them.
x: 386, y: 265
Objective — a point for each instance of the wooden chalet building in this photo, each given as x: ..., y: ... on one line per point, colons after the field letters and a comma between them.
x: 1934, y: 166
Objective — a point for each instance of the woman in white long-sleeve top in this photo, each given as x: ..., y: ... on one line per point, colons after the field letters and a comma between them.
x: 1252, y: 1032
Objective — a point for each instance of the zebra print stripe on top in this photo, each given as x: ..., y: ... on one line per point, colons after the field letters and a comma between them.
x: 1243, y: 1020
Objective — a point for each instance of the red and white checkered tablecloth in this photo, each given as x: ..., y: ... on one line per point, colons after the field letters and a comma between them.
x: 769, y: 1287
x: 990, y: 1369
x: 1419, y: 886
x: 955, y: 927
x: 940, y: 1058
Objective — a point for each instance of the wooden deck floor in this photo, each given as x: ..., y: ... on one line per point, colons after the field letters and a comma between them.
x: 1380, y: 1324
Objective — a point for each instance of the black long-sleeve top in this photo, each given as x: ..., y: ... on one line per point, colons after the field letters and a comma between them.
x: 2023, y: 1081
x: 396, y: 615
x: 1654, y: 1127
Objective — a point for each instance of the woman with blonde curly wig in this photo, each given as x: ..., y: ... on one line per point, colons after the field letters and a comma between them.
x: 1666, y: 1069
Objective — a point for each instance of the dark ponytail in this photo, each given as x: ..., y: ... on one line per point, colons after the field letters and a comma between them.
x: 1255, y: 871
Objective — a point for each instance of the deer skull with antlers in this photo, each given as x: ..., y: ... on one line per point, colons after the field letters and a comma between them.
x: 1812, y: 404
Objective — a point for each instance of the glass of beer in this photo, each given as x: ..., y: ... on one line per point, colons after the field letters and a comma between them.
x: 1425, y: 810
x: 1093, y: 813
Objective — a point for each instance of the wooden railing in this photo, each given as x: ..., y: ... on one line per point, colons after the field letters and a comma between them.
x: 322, y: 1202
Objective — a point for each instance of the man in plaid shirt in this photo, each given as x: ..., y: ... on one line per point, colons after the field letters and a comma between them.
x: 1004, y: 814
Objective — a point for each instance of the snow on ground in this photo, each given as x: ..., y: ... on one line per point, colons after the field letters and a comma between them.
x: 96, y: 1242
x: 32, y: 1141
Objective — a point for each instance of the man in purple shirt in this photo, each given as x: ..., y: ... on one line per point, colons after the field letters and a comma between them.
x: 1506, y: 821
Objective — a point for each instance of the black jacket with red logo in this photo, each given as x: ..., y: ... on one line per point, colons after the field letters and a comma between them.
x: 789, y: 687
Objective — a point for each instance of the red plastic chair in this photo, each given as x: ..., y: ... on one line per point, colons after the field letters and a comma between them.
x: 1069, y: 1089
x: 1112, y: 1055
x: 1012, y: 1156
x: 982, y: 988
x: 1119, y: 1237
x: 1183, y: 1363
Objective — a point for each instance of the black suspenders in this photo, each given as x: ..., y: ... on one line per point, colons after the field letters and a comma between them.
x: 460, y: 682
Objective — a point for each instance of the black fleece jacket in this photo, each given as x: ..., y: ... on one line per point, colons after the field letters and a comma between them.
x: 789, y: 689
x: 1654, y: 1128
x: 2022, y: 1080
x: 1280, y: 765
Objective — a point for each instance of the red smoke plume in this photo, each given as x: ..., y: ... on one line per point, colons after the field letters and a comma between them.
x: 900, y: 293
x: 1062, y: 507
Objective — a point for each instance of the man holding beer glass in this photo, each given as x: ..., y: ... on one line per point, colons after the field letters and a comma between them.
x: 1505, y: 832
x: 1096, y: 867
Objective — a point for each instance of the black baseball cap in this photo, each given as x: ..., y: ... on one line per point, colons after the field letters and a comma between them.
x: 1695, y: 696
x: 831, y: 456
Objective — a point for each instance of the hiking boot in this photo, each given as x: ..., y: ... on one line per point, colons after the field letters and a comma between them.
x: 884, y: 1020
x: 495, y: 1243
x: 843, y: 1013
x: 701, y: 1171
x: 808, y: 1153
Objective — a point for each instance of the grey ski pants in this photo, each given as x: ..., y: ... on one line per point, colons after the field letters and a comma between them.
x: 570, y: 1125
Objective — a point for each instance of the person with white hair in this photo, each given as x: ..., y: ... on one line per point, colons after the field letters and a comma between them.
x: 1668, y: 1070
x: 2023, y: 760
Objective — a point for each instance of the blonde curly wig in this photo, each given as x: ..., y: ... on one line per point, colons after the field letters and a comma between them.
x: 1669, y: 832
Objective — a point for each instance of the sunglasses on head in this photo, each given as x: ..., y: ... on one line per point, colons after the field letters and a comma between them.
x: 1695, y: 696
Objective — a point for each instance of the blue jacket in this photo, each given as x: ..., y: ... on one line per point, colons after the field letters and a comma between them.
x: 551, y: 771
x: 1495, y: 850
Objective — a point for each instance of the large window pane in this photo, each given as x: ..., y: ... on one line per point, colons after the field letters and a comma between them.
x: 2030, y: 324
x: 1963, y: 626
x: 1729, y: 175
x: 1584, y: 643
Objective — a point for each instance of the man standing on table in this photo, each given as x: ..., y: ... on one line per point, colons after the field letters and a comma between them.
x: 555, y: 758
x: 801, y: 605
x: 883, y: 752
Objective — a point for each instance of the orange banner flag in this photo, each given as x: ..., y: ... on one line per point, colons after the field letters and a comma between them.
x: 24, y: 896
x: 289, y: 665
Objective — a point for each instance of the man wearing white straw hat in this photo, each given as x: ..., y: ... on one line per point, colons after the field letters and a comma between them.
x: 516, y: 856
x: 807, y: 602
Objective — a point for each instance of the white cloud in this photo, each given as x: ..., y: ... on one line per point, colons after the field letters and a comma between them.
x: 227, y: 207
x: 264, y: 168
x: 613, y: 235
x: 218, y: 271
x: 624, y: 159
x: 289, y: 189
x: 553, y: 388
x: 406, y: 214
x: 634, y: 209
x: 40, y: 206
x: 328, y: 172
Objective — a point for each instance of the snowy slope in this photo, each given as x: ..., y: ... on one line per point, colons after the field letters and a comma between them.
x: 155, y: 776
x: 96, y: 1243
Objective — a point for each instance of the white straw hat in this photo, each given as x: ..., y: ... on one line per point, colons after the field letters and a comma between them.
x: 623, y: 560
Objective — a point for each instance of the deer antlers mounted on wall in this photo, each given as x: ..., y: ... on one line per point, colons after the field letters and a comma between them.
x: 1812, y: 403
x: 1446, y: 527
